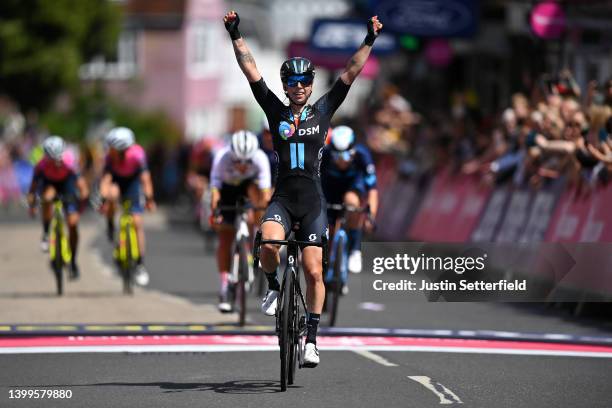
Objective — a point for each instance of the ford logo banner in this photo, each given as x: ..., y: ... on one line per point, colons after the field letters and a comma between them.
x: 345, y: 36
x: 428, y: 18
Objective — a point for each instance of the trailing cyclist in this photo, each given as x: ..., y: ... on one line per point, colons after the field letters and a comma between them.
x: 57, y: 173
x: 299, y: 134
x: 198, y: 174
x: 349, y: 177
x: 240, y: 170
x: 126, y: 176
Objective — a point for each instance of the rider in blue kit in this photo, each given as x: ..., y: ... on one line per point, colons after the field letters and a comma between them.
x: 348, y: 176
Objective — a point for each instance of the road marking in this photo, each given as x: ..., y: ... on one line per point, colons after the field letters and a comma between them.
x: 446, y: 396
x: 374, y: 307
x: 375, y: 357
x: 264, y: 342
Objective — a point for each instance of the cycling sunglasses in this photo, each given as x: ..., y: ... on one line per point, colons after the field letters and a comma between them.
x: 241, y: 161
x: 305, y: 80
x: 346, y: 155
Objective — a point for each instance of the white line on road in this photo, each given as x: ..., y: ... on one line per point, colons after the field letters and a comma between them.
x: 375, y: 357
x: 446, y: 396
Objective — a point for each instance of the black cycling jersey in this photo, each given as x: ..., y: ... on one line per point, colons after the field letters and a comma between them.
x: 298, y: 146
x: 298, y: 143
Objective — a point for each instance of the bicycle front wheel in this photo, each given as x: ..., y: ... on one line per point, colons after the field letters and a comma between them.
x: 286, y: 340
x: 335, y: 289
x: 243, y: 276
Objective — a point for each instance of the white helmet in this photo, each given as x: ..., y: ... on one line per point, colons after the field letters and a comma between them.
x: 54, y: 146
x: 244, y: 144
x: 120, y: 138
x: 342, y: 138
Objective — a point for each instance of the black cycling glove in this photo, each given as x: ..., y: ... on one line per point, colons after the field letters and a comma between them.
x: 232, y: 28
x: 371, y: 37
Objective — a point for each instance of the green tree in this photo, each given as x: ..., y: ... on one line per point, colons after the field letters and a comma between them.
x: 43, y: 43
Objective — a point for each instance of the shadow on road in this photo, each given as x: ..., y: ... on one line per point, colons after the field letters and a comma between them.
x: 226, y: 387
x: 43, y: 295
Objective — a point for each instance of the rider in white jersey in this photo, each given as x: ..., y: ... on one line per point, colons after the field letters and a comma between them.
x: 239, y: 170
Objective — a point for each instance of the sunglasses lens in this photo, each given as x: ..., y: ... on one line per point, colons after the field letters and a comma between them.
x: 305, y: 80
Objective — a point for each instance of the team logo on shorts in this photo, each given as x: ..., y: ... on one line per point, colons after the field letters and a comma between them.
x: 312, y: 237
x: 277, y: 217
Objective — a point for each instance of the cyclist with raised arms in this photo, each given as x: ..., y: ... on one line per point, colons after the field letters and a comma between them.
x: 239, y: 170
x: 57, y: 173
x: 349, y: 177
x: 298, y: 136
x: 126, y: 176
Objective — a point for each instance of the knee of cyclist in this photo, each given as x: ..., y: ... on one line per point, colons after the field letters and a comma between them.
x: 269, y: 250
x: 313, y: 274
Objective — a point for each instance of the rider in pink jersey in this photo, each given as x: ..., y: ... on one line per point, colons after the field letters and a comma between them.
x: 126, y: 177
x: 133, y: 161
x: 57, y: 173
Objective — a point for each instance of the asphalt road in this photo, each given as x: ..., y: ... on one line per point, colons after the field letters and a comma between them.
x: 345, y: 379
x: 179, y: 266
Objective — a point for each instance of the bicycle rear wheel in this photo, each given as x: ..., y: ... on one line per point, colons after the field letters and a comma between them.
x: 127, y: 265
x: 285, y: 328
x: 58, y: 260
x: 335, y: 289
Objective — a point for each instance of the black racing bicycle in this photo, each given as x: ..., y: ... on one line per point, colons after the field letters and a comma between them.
x: 291, y: 311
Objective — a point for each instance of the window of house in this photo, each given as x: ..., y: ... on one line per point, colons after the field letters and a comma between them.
x: 201, y: 50
x: 122, y: 66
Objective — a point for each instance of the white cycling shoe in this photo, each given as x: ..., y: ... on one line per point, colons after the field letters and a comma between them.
x: 44, y: 244
x: 141, y: 276
x: 311, y: 355
x: 268, y: 305
x: 354, y: 262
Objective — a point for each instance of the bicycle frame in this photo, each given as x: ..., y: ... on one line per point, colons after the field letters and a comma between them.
x: 127, y: 235
x: 340, y: 234
x: 57, y: 225
x: 127, y: 252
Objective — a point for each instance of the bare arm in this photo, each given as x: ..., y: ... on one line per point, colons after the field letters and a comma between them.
x: 358, y: 60
x: 242, y: 52
x: 245, y: 60
x: 355, y: 64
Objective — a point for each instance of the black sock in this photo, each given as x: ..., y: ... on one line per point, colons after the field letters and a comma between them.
x: 272, y: 281
x: 140, y: 260
x: 110, y: 225
x: 313, y: 325
x: 46, y: 225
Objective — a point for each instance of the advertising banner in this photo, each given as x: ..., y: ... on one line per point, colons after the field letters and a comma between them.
x: 450, y: 210
x: 345, y: 36
x: 428, y: 18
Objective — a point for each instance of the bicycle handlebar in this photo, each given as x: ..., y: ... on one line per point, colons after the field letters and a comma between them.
x: 259, y: 242
x: 348, y: 208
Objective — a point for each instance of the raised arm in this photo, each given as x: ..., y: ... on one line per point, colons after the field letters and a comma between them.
x: 242, y: 52
x: 358, y: 60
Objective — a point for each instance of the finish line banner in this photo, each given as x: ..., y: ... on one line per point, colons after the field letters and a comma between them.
x: 482, y: 272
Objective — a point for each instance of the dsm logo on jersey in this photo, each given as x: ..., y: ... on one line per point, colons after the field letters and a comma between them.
x: 308, y: 131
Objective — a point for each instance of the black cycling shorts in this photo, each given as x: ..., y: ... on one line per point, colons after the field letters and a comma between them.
x: 312, y: 224
x: 230, y: 195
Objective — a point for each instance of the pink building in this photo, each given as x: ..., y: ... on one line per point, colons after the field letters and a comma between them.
x: 166, y: 60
